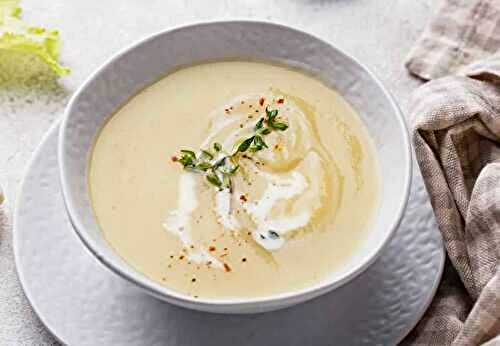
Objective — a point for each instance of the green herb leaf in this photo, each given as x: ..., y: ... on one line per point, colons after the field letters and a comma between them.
x: 271, y: 115
x: 258, y: 144
x: 213, y: 179
x: 207, y: 154
x: 259, y: 124
x: 203, y: 166
x: 245, y: 144
x: 265, y: 131
x: 189, y: 153
x: 234, y: 170
x: 227, y: 182
x: 187, y: 161
x: 279, y: 126
x: 217, y: 146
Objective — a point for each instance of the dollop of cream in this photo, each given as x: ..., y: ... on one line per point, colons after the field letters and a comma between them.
x: 277, y: 191
x: 178, y: 222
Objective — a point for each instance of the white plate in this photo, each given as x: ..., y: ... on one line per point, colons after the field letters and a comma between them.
x: 83, y: 303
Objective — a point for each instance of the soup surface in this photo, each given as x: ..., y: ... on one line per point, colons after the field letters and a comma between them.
x: 235, y: 179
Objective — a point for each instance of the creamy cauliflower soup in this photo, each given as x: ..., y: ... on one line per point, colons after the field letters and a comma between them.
x: 235, y: 179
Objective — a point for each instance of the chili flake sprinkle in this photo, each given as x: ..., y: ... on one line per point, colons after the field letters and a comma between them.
x: 211, y: 248
x: 227, y: 268
x: 261, y: 101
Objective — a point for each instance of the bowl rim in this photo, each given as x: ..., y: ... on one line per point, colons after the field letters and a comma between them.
x: 175, y: 297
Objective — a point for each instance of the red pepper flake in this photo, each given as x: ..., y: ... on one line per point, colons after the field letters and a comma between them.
x: 211, y: 248
x: 181, y: 257
x: 261, y: 101
x: 250, y: 106
x: 280, y: 101
x: 227, y: 268
x: 193, y: 280
x: 223, y: 255
x: 231, y: 108
x: 243, y: 198
x: 225, y: 249
x: 243, y: 259
x: 174, y: 158
x: 209, y: 263
x: 249, y: 233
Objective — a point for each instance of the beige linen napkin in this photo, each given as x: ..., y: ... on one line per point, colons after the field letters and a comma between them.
x: 456, y: 122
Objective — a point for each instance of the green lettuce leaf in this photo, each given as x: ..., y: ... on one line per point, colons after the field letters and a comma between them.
x: 16, y: 35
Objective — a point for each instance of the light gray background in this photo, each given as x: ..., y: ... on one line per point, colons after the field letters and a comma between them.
x: 378, y: 32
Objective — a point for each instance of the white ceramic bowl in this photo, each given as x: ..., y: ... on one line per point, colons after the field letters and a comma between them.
x: 145, y: 62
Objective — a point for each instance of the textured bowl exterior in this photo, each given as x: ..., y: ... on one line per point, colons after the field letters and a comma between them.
x: 83, y: 303
x: 139, y: 66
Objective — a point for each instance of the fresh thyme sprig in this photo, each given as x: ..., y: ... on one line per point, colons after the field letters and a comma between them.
x: 218, y: 167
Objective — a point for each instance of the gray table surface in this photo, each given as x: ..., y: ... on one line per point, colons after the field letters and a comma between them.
x: 378, y: 32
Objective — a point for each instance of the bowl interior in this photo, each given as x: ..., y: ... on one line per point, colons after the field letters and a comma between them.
x: 137, y: 67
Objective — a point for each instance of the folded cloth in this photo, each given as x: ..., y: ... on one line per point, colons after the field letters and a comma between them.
x: 456, y: 124
x: 457, y: 145
x: 462, y: 32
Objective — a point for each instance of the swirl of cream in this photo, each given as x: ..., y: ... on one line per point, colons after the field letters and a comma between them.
x: 293, y: 173
x: 293, y: 180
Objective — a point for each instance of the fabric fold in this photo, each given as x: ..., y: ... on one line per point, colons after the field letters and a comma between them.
x: 463, y: 31
x: 456, y: 122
